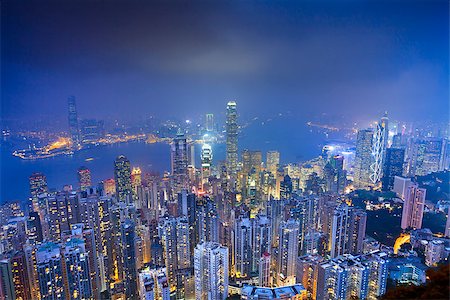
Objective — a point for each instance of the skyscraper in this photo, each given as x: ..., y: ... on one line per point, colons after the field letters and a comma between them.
x: 264, y: 278
x: 7, y: 291
x: 393, y: 166
x: 242, y: 247
x: 413, y: 206
x: 427, y: 156
x: 232, y: 140
x: 209, y: 124
x: 73, y: 121
x: 76, y: 269
x: 272, y: 161
x: 179, y: 158
x: 153, y: 284
x: 287, y: 252
x: 129, y: 258
x: 363, y: 159
x: 211, y: 271
x: 84, y: 178
x: 335, y: 175
x: 50, y: 271
x: 379, y: 145
x: 122, y: 178
x: 206, y: 157
x: 38, y: 185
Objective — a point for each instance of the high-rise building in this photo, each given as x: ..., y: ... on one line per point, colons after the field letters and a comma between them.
x: 413, y: 207
x: 209, y: 124
x: 287, y: 252
x: 38, y: 185
x: 363, y: 159
x: 393, y: 166
x: 129, y: 258
x: 232, y: 140
x: 73, y: 121
x: 91, y: 131
x: 7, y: 291
x: 122, y: 179
x: 290, y: 292
x: 206, y: 157
x: 179, y: 159
x: 272, y: 161
x: 264, y: 278
x: 20, y: 276
x: 136, y: 183
x: 76, y: 269
x: 211, y: 271
x: 242, y: 248
x: 153, y: 284
x: 379, y: 144
x: 50, y: 272
x: 434, y: 252
x: 335, y: 175
x: 447, y: 224
x: 109, y: 186
x: 84, y: 178
x: 428, y: 156
x: 401, y: 185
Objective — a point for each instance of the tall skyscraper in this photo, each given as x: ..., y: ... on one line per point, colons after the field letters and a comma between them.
x: 363, y: 159
x: 84, y: 178
x: 427, y: 156
x: 272, y: 161
x: 393, y: 166
x: 129, y: 258
x: 206, y: 157
x: 211, y: 271
x: 413, y: 206
x: 379, y: 144
x: 38, y: 185
x: 264, y: 275
x: 136, y: 183
x: 232, y: 140
x: 122, y: 178
x: 76, y: 269
x: 209, y: 124
x: 179, y: 158
x: 447, y: 224
x: 242, y: 247
x: 153, y: 284
x: 50, y: 271
x: 7, y: 290
x: 73, y: 121
x: 287, y: 252
x: 335, y: 175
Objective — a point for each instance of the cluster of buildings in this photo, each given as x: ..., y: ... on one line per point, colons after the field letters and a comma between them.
x: 256, y: 229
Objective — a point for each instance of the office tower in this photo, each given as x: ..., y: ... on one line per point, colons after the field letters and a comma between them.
x: 207, y: 221
x: 109, y: 186
x: 393, y: 166
x: 413, y: 206
x: 206, y: 158
x: 73, y: 122
x: 129, y: 258
x: 428, y: 156
x: 122, y: 178
x: 363, y: 159
x: 76, y: 269
x: 357, y: 230
x: 275, y: 213
x: 50, y: 271
x: 335, y: 175
x: 153, y: 284
x: 264, y: 276
x: 34, y: 228
x: 19, y: 274
x: 61, y: 212
x: 91, y: 131
x: 287, y: 252
x: 7, y: 291
x: 305, y: 211
x: 379, y: 145
x: 211, y: 271
x: 179, y: 159
x: 242, y: 248
x: 272, y: 161
x: 136, y: 183
x: 84, y: 178
x: 232, y: 140
x: 38, y: 185
x: 209, y: 124
x: 251, y: 170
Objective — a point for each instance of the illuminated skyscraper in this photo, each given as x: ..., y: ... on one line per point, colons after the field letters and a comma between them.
x: 50, y: 271
x: 287, y: 252
x: 7, y: 291
x: 153, y: 284
x: 179, y: 158
x: 393, y: 166
x: 209, y: 122
x: 38, y: 185
x: 129, y: 258
x: 136, y: 183
x: 109, y: 186
x: 122, y: 178
x: 272, y: 161
x: 413, y: 206
x: 211, y: 271
x: 335, y: 175
x: 427, y: 156
x: 379, y: 144
x: 206, y: 157
x: 76, y: 269
x: 232, y: 140
x: 264, y: 278
x: 447, y: 224
x: 84, y: 178
x: 243, y: 247
x: 363, y: 159
x: 73, y: 121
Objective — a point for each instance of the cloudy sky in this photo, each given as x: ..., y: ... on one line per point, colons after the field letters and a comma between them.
x: 128, y: 59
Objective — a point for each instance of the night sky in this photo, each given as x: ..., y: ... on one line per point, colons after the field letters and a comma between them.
x: 129, y: 59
